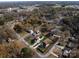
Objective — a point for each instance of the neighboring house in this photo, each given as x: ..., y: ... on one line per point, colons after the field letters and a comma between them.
x: 66, y: 52
x: 71, y: 44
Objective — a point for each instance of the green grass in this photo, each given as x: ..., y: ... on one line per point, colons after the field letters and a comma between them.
x: 41, y: 49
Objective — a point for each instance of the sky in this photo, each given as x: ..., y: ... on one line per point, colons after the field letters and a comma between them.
x: 38, y: 0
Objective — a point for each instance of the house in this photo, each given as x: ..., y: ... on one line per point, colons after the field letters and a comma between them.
x: 32, y: 32
x: 66, y: 52
x: 71, y: 45
x: 53, y: 32
x: 56, y: 51
x: 47, y: 42
x: 72, y: 39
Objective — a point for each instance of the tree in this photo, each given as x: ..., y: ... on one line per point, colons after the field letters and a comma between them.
x: 17, y: 28
x: 26, y: 53
x: 1, y: 22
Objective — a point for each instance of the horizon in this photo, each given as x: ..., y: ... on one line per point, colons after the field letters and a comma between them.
x: 33, y: 0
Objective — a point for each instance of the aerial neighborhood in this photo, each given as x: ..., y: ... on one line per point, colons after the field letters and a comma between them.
x: 39, y: 30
